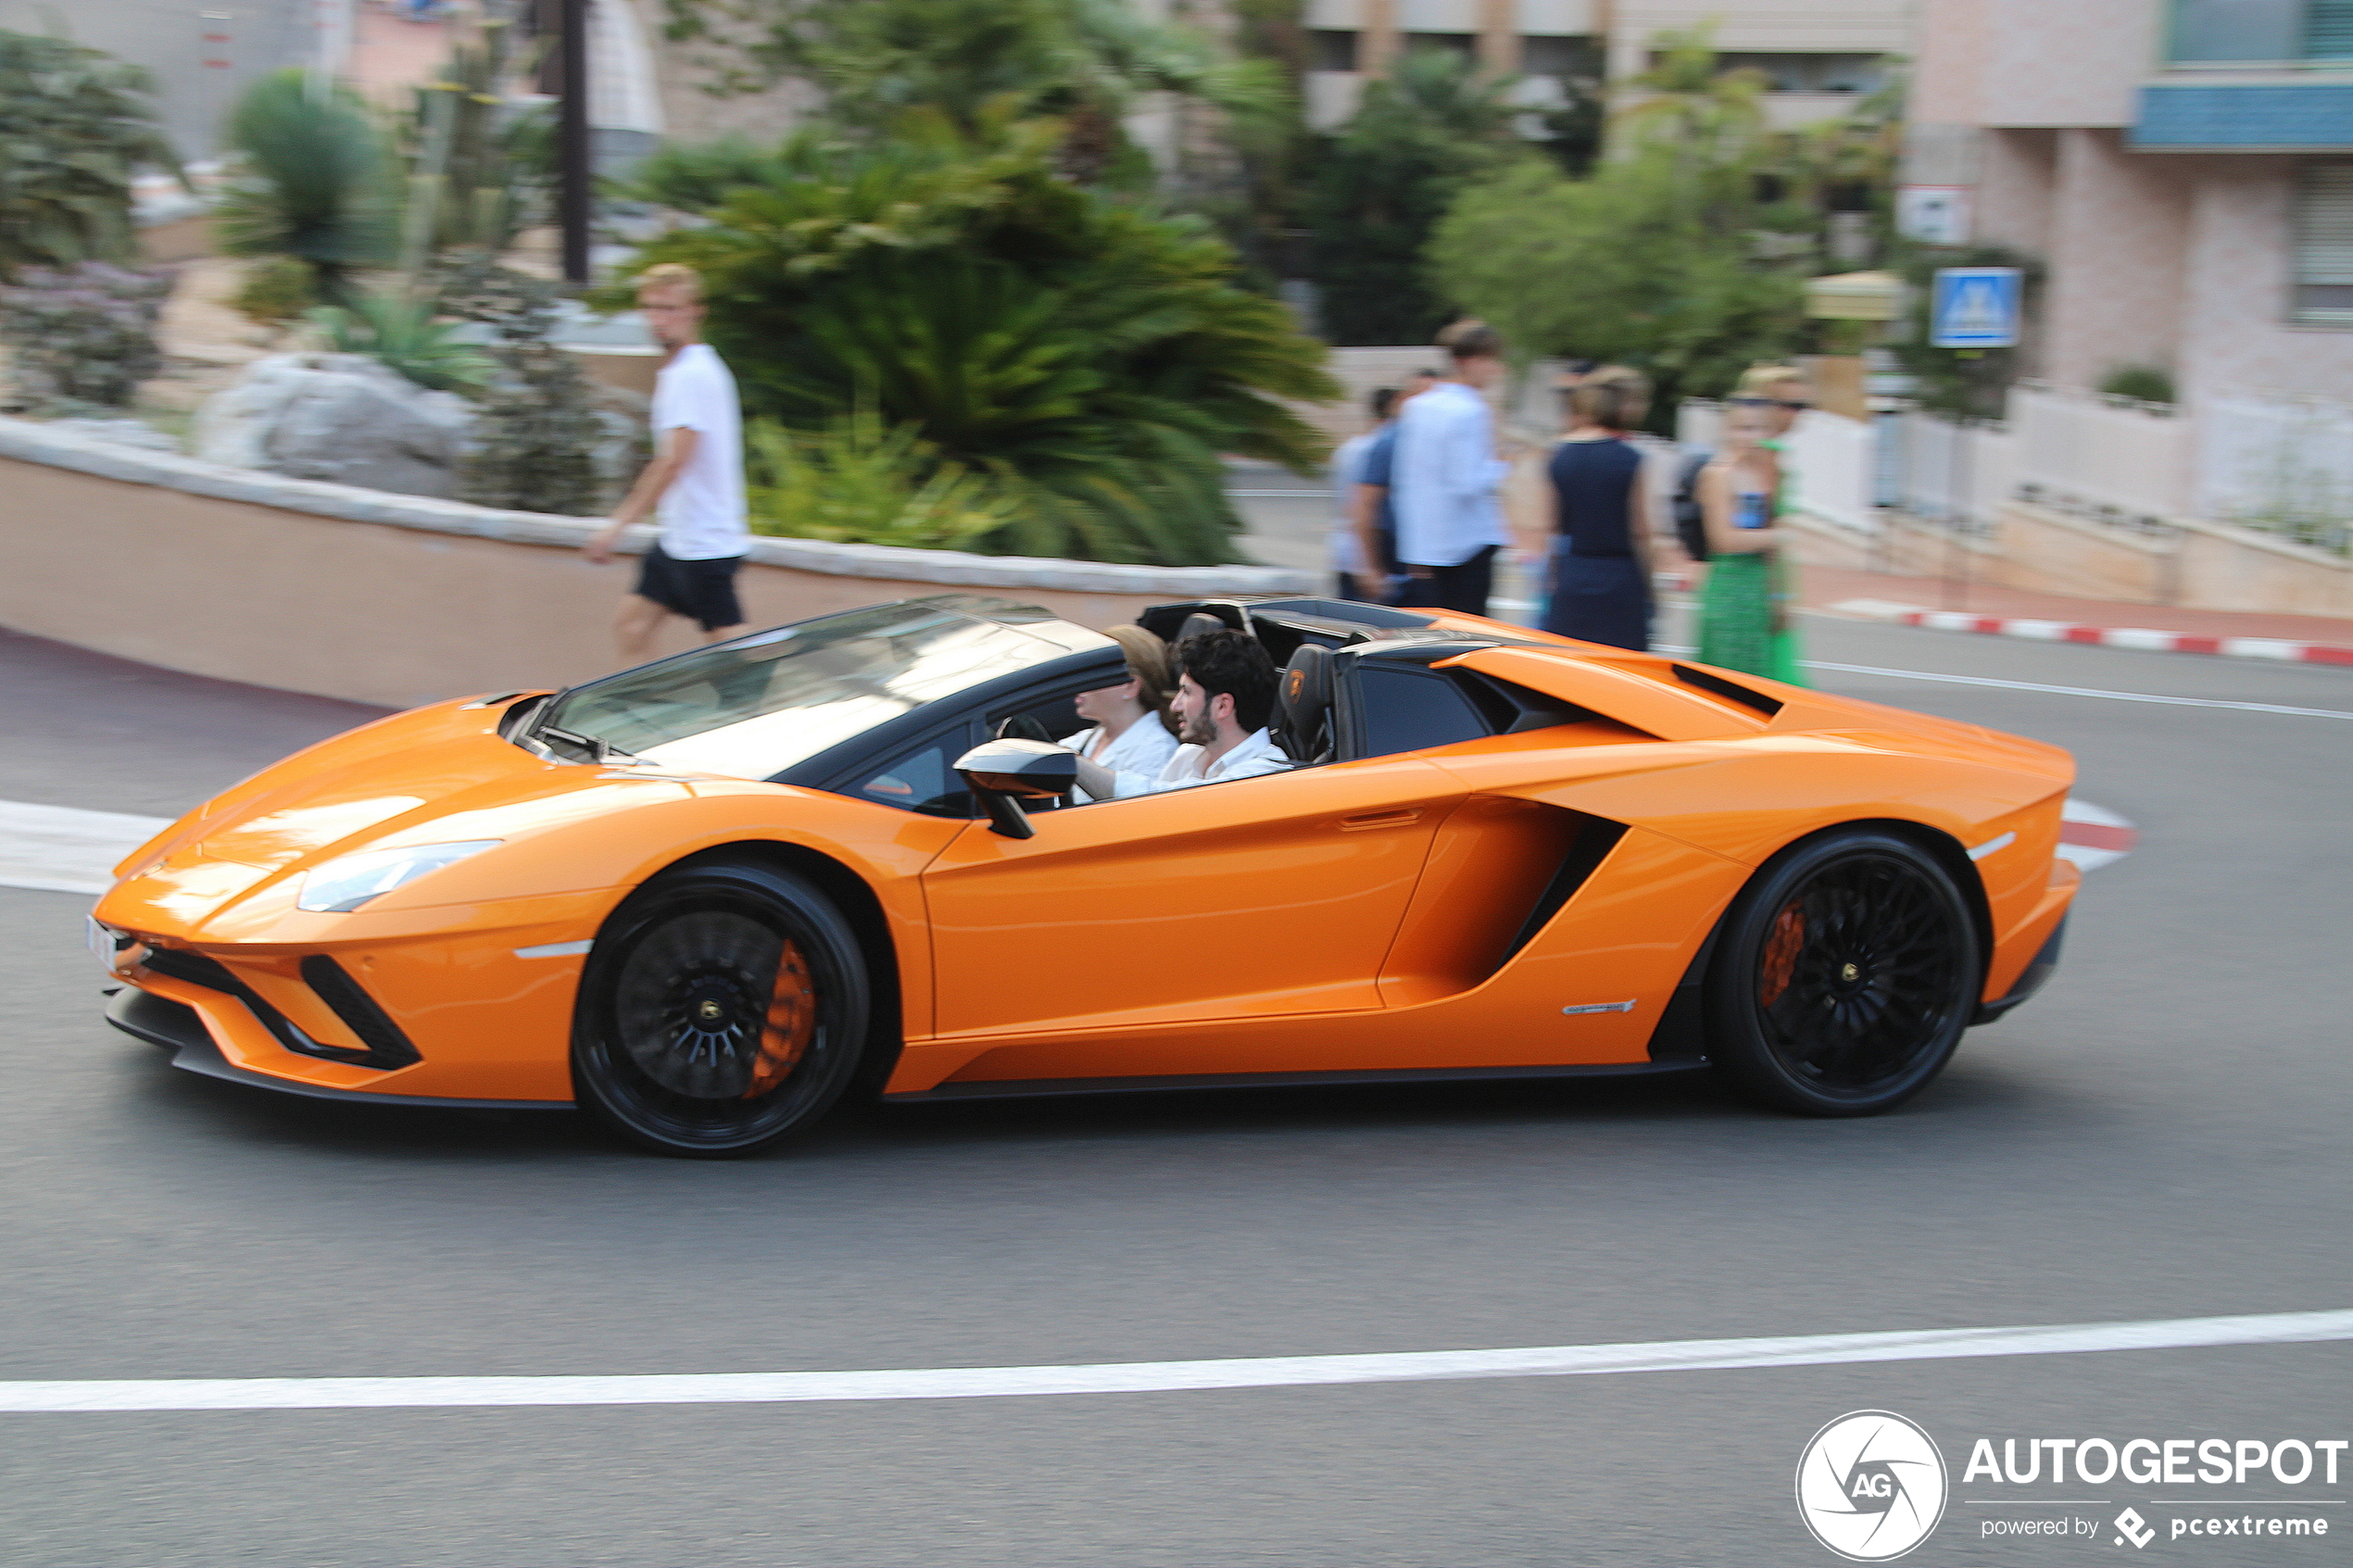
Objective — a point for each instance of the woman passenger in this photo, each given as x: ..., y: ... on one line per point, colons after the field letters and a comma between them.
x: 1134, y: 732
x: 1601, y: 515
x: 1744, y: 607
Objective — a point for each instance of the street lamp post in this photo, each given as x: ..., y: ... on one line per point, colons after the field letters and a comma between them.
x: 573, y: 192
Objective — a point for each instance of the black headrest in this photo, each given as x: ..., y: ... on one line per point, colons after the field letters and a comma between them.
x: 1196, y: 623
x: 1304, y: 694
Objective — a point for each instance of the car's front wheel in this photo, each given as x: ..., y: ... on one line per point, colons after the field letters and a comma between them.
x: 723, y: 1009
x: 1844, y: 975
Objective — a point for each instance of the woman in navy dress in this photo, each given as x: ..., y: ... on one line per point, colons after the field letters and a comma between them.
x: 1601, y: 515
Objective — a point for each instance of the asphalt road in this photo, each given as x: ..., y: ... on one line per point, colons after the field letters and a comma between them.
x: 2161, y: 1133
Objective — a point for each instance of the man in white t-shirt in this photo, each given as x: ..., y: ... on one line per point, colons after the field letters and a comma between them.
x: 1223, y: 699
x: 694, y: 486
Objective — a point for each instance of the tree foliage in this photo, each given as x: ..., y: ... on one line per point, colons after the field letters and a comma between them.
x: 314, y: 181
x: 1418, y: 138
x: 1093, y: 359
x: 1687, y: 251
x: 75, y: 127
x: 1085, y: 63
x: 1639, y: 263
x: 536, y: 438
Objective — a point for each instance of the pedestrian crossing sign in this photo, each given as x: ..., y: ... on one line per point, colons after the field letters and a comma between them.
x: 1975, y: 307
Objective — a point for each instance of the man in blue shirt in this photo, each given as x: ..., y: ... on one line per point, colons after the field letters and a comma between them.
x: 1372, y: 510
x: 1447, y: 480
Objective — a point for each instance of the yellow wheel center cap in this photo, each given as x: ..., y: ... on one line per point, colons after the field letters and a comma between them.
x: 711, y: 1012
x: 1850, y: 974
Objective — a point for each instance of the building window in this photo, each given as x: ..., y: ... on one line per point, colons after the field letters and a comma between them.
x: 2227, y: 31
x: 1463, y: 44
x: 2323, y: 282
x: 1566, y: 59
x: 1331, y: 48
x: 1810, y: 73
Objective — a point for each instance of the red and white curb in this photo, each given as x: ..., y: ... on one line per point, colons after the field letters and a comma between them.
x: 2093, y: 836
x: 2139, y: 638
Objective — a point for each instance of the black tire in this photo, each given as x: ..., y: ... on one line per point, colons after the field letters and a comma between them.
x: 723, y: 1009
x: 1843, y: 976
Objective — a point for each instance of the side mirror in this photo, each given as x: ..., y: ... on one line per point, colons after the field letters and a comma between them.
x: 1003, y: 773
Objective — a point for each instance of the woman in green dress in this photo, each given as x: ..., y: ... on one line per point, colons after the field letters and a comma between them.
x: 1744, y: 620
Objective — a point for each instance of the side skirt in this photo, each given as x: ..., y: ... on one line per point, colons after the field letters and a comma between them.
x: 1040, y: 1088
x: 175, y: 1027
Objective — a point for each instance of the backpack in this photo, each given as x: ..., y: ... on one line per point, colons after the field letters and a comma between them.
x: 1691, y: 523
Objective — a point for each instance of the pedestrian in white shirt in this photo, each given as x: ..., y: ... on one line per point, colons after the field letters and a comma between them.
x: 694, y: 486
x: 1448, y: 482
x: 1135, y: 732
x: 1225, y: 697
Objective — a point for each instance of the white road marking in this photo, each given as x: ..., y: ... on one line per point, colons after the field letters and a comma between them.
x: 2082, y: 691
x: 64, y: 849
x: 1154, y: 1377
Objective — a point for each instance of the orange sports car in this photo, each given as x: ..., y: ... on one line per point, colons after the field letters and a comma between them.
x: 707, y: 899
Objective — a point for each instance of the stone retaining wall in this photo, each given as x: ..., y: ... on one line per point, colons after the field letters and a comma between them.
x: 2190, y: 562
x: 400, y: 599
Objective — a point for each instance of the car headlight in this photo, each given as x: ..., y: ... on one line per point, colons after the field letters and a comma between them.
x: 346, y: 882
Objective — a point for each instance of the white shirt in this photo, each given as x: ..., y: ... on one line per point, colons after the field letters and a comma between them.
x: 1144, y: 748
x: 702, y: 512
x: 1348, y: 472
x: 1255, y: 754
x: 1447, y: 477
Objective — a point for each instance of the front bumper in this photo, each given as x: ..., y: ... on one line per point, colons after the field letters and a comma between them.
x: 177, y: 1028
x: 2038, y: 970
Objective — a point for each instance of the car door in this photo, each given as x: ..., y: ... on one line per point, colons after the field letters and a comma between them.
x: 1261, y: 897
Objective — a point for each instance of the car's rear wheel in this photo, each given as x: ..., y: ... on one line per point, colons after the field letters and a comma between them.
x: 723, y: 1010
x: 1844, y: 975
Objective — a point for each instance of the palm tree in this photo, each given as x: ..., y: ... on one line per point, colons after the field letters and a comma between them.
x: 314, y: 182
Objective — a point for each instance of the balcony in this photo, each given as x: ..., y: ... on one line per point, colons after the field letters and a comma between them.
x: 2251, y: 76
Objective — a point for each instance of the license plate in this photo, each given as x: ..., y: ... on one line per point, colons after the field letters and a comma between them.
x: 102, y: 942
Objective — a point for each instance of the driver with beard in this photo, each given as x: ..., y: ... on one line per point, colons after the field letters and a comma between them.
x: 1225, y: 696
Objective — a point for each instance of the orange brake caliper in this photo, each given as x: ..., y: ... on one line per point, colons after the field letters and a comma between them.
x: 1781, y: 954
x: 790, y: 1025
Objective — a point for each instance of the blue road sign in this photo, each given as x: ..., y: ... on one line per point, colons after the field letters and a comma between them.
x: 1976, y: 308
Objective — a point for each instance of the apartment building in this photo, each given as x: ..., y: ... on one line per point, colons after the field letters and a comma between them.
x: 2184, y: 169
x: 1818, y: 54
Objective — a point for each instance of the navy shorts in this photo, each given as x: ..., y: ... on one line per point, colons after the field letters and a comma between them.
x: 702, y: 591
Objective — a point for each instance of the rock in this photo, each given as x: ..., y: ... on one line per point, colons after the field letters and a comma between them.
x: 122, y: 432
x: 343, y: 417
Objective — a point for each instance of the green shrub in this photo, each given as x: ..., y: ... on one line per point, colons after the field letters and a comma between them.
x: 2145, y: 383
x: 314, y: 181
x: 860, y: 482
x: 276, y: 290
x: 1101, y: 357
x: 75, y: 127
x: 83, y: 335
x: 403, y: 334
x: 535, y: 439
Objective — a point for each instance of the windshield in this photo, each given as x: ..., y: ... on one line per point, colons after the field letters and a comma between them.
x: 754, y: 706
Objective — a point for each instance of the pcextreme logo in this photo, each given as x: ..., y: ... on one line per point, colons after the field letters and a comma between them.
x: 1870, y: 1486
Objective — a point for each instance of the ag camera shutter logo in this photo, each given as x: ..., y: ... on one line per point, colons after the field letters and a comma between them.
x: 1871, y: 1485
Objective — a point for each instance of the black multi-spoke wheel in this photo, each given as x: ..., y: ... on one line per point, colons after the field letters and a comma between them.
x: 1844, y: 975
x: 723, y: 1009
